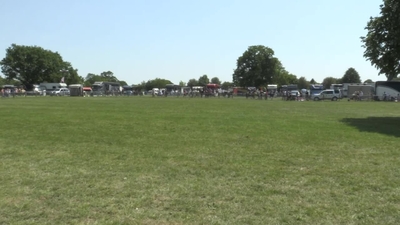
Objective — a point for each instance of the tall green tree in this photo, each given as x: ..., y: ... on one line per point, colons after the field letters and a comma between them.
x: 351, y: 76
x: 367, y: 81
x: 109, y: 76
x: 140, y: 87
x: 90, y: 79
x: 215, y: 80
x: 303, y: 83
x: 203, y: 80
x: 182, y: 83
x: 312, y: 81
x: 71, y: 75
x: 192, y: 82
x: 226, y: 85
x: 382, y: 42
x: 283, y: 77
x: 122, y: 83
x: 32, y: 64
x: 328, y: 81
x: 157, y: 83
x: 105, y: 76
x: 256, y: 67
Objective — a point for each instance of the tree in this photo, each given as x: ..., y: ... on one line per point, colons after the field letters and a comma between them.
x: 4, y: 81
x: 283, y: 77
x: 367, y: 81
x: 140, y: 87
x: 90, y: 79
x: 192, y: 83
x: 157, y: 83
x: 182, y: 84
x: 203, y: 80
x: 226, y: 85
x: 312, y: 81
x: 71, y: 75
x: 328, y: 81
x: 215, y: 80
x: 303, y: 83
x: 256, y: 67
x: 109, y: 76
x: 32, y: 64
x: 351, y: 76
x: 106, y: 76
x: 122, y: 83
x: 382, y: 42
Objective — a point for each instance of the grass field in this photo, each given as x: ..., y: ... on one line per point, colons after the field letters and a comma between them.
x: 198, y: 161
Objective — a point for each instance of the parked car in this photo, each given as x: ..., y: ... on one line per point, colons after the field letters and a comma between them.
x: 60, y: 92
x: 329, y: 94
x: 294, y: 95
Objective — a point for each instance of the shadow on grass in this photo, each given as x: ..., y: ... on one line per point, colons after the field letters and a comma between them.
x: 383, y: 125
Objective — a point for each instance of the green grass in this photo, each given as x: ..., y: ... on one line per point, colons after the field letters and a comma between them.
x: 198, y: 161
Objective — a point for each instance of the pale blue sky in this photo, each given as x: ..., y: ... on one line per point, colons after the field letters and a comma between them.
x: 182, y: 39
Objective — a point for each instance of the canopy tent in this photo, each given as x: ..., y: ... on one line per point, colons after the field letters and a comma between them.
x: 212, y: 85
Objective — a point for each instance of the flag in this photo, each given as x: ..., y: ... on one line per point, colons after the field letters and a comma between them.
x: 62, y: 80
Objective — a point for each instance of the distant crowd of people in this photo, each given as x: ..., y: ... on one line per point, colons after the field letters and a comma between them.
x: 357, y: 96
x: 387, y: 97
x: 11, y: 92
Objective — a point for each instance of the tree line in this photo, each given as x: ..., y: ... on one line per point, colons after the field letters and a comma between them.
x: 256, y: 67
x: 27, y: 65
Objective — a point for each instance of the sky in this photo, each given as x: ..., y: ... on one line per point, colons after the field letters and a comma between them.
x: 139, y: 40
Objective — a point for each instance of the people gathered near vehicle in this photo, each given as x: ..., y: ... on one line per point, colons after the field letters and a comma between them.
x: 389, y: 91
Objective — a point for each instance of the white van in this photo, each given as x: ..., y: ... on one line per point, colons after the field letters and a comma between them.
x: 328, y: 94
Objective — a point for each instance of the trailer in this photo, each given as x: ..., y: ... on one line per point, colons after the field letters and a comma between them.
x: 127, y: 90
x: 336, y: 86
x: 315, y: 89
x: 362, y: 91
x: 173, y: 89
x: 387, y: 90
x: 76, y: 90
x: 106, y: 88
x: 345, y: 89
x: 49, y: 87
x: 287, y: 88
x: 272, y: 89
x: 292, y: 87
